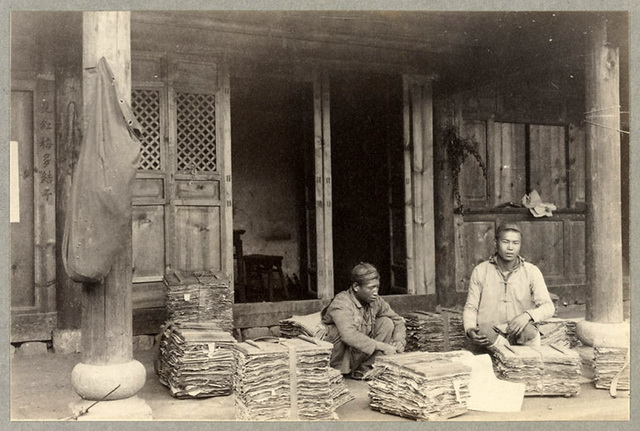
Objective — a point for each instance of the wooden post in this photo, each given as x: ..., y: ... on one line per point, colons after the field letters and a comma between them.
x: 107, y: 352
x: 603, y: 194
x: 444, y: 220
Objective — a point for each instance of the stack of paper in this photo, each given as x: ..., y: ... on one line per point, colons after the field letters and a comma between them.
x: 199, y: 297
x: 434, y: 332
x: 283, y: 380
x: 559, y: 332
x: 607, y: 363
x: 419, y: 385
x: 196, y: 361
x: 300, y: 325
x: 339, y: 392
x: 545, y: 370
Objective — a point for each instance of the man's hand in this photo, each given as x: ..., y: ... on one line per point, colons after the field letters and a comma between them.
x: 476, y: 337
x: 386, y: 349
x: 399, y: 345
x: 518, y: 323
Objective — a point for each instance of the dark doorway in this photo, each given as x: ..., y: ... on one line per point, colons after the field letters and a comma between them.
x: 271, y: 127
x: 366, y: 147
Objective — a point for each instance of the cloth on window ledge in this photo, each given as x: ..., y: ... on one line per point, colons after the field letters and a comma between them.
x: 533, y: 201
x: 99, y: 213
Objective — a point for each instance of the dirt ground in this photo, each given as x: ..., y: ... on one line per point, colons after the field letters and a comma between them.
x: 40, y: 390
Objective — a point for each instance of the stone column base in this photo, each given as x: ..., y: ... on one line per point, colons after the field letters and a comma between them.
x: 93, y: 382
x: 603, y: 334
x: 128, y: 409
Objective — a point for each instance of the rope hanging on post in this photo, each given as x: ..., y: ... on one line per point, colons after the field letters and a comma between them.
x: 589, y: 115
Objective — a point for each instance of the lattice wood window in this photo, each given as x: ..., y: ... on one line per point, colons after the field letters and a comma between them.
x: 196, y: 132
x: 146, y: 108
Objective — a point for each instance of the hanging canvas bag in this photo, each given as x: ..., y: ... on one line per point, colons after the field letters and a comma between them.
x: 99, y: 209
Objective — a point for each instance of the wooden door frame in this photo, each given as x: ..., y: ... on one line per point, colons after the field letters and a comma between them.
x: 35, y: 322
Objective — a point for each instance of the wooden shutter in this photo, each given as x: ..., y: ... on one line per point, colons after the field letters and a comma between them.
x: 182, y: 196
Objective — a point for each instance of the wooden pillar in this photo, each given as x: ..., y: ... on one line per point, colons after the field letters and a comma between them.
x: 107, y: 356
x: 604, y: 324
x: 603, y: 190
x: 444, y: 205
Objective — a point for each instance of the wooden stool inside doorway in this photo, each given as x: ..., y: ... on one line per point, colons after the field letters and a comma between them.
x: 268, y: 270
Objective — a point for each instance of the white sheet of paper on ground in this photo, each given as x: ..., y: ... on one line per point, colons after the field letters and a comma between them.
x: 487, y: 393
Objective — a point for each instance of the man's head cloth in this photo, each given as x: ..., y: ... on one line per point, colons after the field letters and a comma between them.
x: 364, y: 272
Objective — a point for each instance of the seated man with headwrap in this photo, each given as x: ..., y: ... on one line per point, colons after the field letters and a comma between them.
x: 360, y: 324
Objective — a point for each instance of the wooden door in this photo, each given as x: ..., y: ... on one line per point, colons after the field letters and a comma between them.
x: 182, y: 199
x: 33, y: 309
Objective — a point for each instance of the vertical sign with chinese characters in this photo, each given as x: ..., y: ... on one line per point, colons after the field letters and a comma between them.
x: 45, y: 191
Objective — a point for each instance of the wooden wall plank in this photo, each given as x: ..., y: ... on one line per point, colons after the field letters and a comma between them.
x: 577, y: 167
x: 474, y: 244
x: 417, y: 182
x: 148, y: 240
x: 428, y: 210
x: 23, y: 123
x: 509, y: 162
x: 547, y: 163
x: 198, y: 238
x: 575, y: 250
x: 543, y: 244
x: 408, y: 184
x: 473, y: 184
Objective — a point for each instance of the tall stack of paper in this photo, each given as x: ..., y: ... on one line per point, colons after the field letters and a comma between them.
x: 196, y: 361
x: 545, y: 370
x: 419, y: 385
x: 283, y: 380
x: 199, y: 297
x: 609, y: 362
x: 434, y: 332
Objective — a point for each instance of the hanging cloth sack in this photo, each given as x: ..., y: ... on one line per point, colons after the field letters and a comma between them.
x: 99, y: 209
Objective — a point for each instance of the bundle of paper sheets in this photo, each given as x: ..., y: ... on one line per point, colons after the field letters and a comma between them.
x: 419, y: 385
x: 283, y: 379
x: 196, y: 360
x: 559, y: 332
x: 545, y: 370
x: 300, y: 325
x: 339, y: 392
x: 434, y: 332
x: 609, y: 362
x: 193, y: 297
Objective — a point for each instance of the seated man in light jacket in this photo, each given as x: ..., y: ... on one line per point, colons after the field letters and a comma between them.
x: 506, y: 293
x: 360, y: 324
